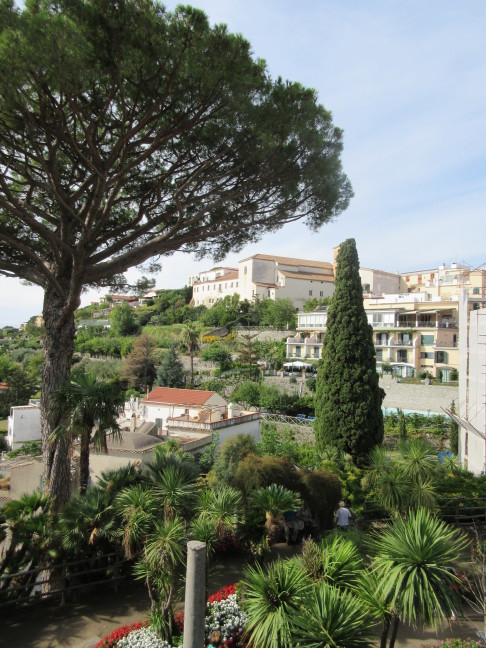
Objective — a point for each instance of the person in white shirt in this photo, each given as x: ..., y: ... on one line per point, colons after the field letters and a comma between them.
x: 343, y: 515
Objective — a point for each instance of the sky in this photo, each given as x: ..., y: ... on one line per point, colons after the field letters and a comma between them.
x: 406, y: 81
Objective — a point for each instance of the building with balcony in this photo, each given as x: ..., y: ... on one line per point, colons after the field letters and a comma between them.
x: 446, y: 282
x: 192, y: 415
x: 410, y: 333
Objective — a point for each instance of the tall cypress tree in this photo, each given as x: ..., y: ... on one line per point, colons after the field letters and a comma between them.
x: 348, y: 396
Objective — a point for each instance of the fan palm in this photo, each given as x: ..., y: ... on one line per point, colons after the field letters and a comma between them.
x: 331, y: 618
x: 87, y: 524
x: 413, y: 565
x: 271, y: 601
x: 114, y: 481
x: 26, y: 524
x: 90, y: 408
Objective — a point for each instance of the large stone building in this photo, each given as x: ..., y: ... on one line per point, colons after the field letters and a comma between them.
x: 264, y: 276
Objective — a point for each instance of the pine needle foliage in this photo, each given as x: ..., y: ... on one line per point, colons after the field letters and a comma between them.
x: 348, y: 396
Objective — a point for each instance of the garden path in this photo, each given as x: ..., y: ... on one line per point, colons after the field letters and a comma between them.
x: 83, y: 624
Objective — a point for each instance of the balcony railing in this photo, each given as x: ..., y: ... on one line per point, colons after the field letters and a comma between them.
x: 199, y: 426
x: 407, y: 343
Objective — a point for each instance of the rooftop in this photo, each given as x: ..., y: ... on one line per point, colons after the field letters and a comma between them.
x: 173, y: 396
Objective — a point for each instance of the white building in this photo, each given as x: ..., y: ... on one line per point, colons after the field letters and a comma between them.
x: 472, y: 389
x: 264, y: 276
x: 192, y: 414
x: 23, y: 425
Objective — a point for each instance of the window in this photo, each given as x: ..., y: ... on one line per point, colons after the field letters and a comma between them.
x: 475, y: 291
x: 245, y: 270
x: 379, y: 354
x: 237, y: 284
x: 432, y: 275
x: 402, y: 356
x: 429, y: 355
x: 298, y: 351
x: 310, y: 293
x: 426, y: 340
x: 476, y: 306
x: 419, y: 279
x: 158, y: 423
x: 321, y: 293
x: 441, y: 356
x: 407, y: 278
x: 316, y: 352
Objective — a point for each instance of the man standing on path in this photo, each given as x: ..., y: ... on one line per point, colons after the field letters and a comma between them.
x: 343, y: 515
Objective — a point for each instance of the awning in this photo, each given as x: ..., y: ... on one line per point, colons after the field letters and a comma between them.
x: 462, y: 422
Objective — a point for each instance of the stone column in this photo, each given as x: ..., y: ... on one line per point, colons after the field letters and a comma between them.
x: 195, y: 598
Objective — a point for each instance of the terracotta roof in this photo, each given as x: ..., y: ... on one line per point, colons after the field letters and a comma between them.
x: 226, y: 277
x: 308, y: 276
x: 178, y: 396
x: 291, y: 261
x: 384, y: 272
x: 3, y: 385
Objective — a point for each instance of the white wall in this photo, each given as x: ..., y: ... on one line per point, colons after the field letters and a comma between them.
x: 473, y: 447
x: 211, y: 410
x: 253, y: 428
x: 23, y: 425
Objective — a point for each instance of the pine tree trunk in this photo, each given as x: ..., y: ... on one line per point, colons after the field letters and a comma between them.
x: 59, y: 349
x: 84, y: 462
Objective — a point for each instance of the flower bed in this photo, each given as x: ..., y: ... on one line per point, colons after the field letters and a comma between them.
x: 222, y: 613
x: 456, y: 643
x: 112, y: 640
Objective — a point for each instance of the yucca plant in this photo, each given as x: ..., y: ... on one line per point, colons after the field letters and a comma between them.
x: 138, y: 508
x: 222, y: 506
x: 413, y: 562
x: 274, y: 500
x: 271, y: 600
x: 341, y: 562
x: 331, y: 618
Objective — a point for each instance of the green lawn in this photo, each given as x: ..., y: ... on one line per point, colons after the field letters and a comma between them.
x: 3, y: 425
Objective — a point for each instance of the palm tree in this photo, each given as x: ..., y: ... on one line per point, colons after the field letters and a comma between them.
x: 161, y: 567
x: 190, y: 339
x: 222, y: 507
x: 26, y: 525
x: 413, y: 562
x: 274, y: 500
x: 342, y: 564
x: 417, y: 460
x: 90, y: 408
x: 331, y: 617
x: 138, y: 508
x: 87, y: 525
x: 115, y: 480
x: 271, y: 601
x: 176, y: 490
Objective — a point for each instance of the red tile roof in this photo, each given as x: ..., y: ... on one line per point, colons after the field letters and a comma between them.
x: 178, y: 396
